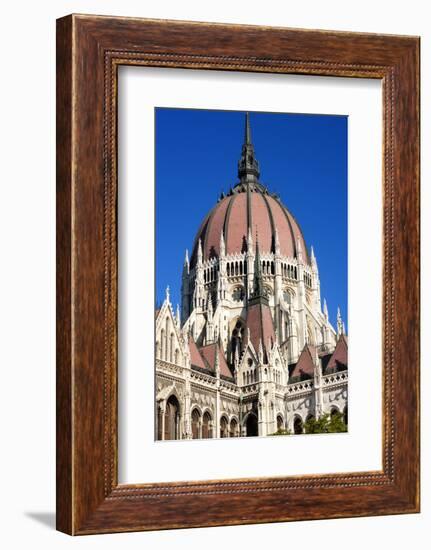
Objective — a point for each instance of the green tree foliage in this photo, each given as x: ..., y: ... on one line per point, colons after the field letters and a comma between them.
x: 325, y: 424
x: 282, y: 432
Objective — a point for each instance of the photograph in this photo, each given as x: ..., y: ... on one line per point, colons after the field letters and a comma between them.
x: 251, y: 278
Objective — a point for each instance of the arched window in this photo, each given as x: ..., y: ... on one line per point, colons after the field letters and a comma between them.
x: 206, y: 426
x: 280, y: 422
x: 237, y: 338
x: 177, y: 356
x: 334, y: 412
x: 287, y: 297
x: 238, y: 293
x: 162, y: 344
x: 223, y: 427
x: 233, y: 430
x: 172, y: 419
x: 157, y: 349
x: 298, y: 427
x: 166, y: 357
x: 159, y: 423
x: 251, y: 425
x: 196, y: 424
x: 171, y: 348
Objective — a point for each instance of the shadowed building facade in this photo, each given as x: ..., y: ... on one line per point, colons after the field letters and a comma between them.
x: 252, y: 351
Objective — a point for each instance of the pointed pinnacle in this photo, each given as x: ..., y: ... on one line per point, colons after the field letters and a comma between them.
x: 222, y: 244
x: 250, y: 237
x: 247, y: 132
x: 200, y: 251
x: 298, y: 248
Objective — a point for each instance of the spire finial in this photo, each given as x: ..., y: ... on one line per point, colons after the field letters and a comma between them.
x: 247, y: 136
x: 339, y: 323
x: 222, y: 244
x: 248, y: 167
x: 260, y: 351
x: 217, y: 362
x: 200, y: 252
x: 299, y: 248
x: 168, y: 295
x: 250, y: 240
x: 325, y: 309
x: 277, y: 242
x: 186, y: 265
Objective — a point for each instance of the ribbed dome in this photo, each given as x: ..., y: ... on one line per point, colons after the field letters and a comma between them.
x: 249, y: 205
x: 267, y: 215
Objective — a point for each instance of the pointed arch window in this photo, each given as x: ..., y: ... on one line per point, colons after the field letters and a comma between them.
x: 224, y: 427
x: 172, y: 419
x: 206, y: 426
x: 196, y: 424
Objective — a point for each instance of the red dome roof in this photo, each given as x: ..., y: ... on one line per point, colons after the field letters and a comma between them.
x: 231, y: 215
x: 249, y: 205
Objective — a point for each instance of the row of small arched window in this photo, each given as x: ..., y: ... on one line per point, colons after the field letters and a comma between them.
x: 165, y: 348
x: 202, y: 426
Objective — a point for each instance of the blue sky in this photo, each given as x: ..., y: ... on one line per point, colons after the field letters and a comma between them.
x: 302, y: 157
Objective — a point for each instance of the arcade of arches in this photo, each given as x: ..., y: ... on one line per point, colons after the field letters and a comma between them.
x: 202, y: 425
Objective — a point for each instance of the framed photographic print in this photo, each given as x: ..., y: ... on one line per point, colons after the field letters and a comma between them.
x: 238, y: 274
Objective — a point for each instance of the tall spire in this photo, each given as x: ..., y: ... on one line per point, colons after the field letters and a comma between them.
x: 247, y: 133
x: 248, y: 167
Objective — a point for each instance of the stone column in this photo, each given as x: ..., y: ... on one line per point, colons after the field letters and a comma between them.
x: 163, y: 410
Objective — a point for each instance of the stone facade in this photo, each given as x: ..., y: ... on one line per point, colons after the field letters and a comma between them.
x: 252, y: 351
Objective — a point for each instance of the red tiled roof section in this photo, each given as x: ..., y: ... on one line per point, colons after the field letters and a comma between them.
x: 260, y: 323
x: 230, y: 215
x: 211, y: 243
x: 339, y: 357
x: 209, y: 354
x: 297, y: 232
x: 195, y: 357
x: 261, y: 222
x: 236, y: 224
x: 285, y: 233
x: 305, y: 364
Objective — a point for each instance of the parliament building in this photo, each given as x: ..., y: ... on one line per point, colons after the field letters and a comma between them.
x: 251, y: 351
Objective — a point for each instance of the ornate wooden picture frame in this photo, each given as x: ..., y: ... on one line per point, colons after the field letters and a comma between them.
x: 89, y: 51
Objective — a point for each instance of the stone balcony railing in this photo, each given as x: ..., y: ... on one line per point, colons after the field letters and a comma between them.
x: 299, y: 387
x: 165, y: 366
x: 336, y: 378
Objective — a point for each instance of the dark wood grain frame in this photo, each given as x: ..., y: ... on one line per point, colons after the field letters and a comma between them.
x: 89, y: 51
